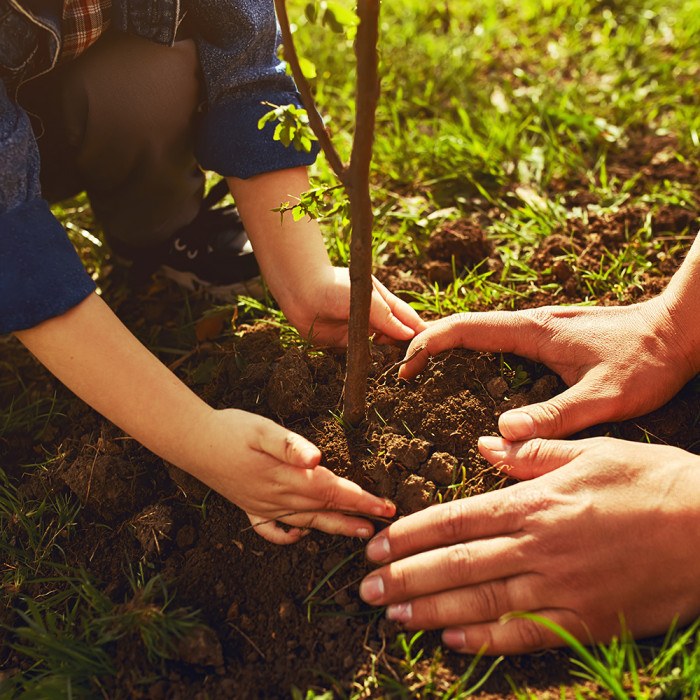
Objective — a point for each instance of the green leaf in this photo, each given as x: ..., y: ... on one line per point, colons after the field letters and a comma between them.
x: 308, y: 68
x: 343, y: 16
x: 330, y: 20
x: 311, y: 12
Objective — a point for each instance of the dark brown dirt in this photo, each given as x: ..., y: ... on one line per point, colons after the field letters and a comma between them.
x: 279, y: 617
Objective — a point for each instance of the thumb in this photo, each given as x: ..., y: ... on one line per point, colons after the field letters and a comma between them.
x: 581, y: 406
x: 530, y: 459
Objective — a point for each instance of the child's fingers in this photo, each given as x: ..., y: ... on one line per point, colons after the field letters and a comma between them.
x: 317, y: 487
x: 383, y: 318
x: 404, y: 312
x: 271, y: 532
x: 335, y: 524
x: 321, y: 489
x: 287, y: 447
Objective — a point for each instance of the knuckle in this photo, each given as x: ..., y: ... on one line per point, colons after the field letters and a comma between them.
x: 543, y: 320
x: 535, y: 450
x: 459, y: 562
x: 530, y: 634
x: 398, y: 582
x: 538, y: 500
x: 487, y: 601
x: 550, y: 413
x: 429, y: 611
x: 450, y: 522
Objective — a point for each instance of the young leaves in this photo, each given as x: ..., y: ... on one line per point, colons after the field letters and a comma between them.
x: 292, y: 126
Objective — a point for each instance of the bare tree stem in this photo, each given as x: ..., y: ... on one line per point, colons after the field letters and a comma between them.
x: 362, y: 217
x: 355, y: 178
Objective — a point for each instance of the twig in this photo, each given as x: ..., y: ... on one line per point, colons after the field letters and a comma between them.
x: 246, y: 637
x: 342, y: 588
x: 181, y: 360
x: 400, y: 362
x: 315, y: 119
x: 318, y: 510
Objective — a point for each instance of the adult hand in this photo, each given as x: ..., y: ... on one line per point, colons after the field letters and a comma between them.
x: 619, y: 362
x: 274, y: 475
x: 607, y: 528
x: 323, y: 317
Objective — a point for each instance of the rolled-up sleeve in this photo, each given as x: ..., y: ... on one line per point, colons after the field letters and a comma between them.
x: 237, y: 43
x: 41, y: 275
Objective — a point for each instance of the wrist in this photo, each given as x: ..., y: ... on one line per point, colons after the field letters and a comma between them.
x: 673, y: 323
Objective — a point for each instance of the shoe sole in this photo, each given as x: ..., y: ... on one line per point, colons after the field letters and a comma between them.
x: 251, y: 288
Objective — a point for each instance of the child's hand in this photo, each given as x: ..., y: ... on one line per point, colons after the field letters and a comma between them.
x: 274, y: 475
x: 323, y: 316
x: 260, y: 466
x: 314, y: 295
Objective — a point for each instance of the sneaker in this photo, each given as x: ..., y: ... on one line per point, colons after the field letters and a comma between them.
x: 212, y: 253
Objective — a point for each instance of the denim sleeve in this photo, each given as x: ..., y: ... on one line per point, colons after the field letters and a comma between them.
x: 237, y: 42
x: 41, y: 275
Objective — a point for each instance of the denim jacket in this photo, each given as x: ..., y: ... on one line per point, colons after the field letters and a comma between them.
x: 41, y: 275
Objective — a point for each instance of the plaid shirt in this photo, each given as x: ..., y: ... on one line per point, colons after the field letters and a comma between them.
x: 82, y: 23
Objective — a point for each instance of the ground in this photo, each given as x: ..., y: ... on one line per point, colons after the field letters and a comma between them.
x: 279, y: 617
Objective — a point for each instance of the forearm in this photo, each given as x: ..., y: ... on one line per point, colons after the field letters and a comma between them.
x: 292, y: 254
x: 95, y: 356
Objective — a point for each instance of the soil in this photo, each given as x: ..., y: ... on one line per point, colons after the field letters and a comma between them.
x: 279, y: 617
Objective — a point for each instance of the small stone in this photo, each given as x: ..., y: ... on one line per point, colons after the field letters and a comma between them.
x: 201, y: 647
x: 408, y: 452
x: 543, y: 388
x: 497, y: 387
x: 342, y: 597
x: 286, y: 609
x: 441, y: 468
x: 414, y: 494
x: 185, y: 537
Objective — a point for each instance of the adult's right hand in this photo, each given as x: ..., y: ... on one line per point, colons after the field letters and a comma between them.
x: 619, y: 362
x: 599, y: 529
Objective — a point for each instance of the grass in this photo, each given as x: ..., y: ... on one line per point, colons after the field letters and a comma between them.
x: 67, y: 636
x: 498, y: 110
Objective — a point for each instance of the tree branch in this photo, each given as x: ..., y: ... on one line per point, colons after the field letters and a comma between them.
x: 315, y: 119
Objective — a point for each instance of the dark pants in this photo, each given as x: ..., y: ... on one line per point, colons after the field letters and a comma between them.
x: 118, y: 122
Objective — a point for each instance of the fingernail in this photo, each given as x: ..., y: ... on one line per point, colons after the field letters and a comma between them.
x: 378, y: 549
x: 494, y: 444
x: 387, y: 508
x: 454, y: 638
x: 400, y: 612
x: 518, y: 424
x: 372, y: 589
x: 364, y: 532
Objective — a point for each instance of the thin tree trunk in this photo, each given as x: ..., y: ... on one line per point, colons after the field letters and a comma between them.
x: 355, y: 179
x: 362, y: 218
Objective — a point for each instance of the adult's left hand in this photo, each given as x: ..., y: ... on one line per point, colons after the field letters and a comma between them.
x: 600, y: 528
